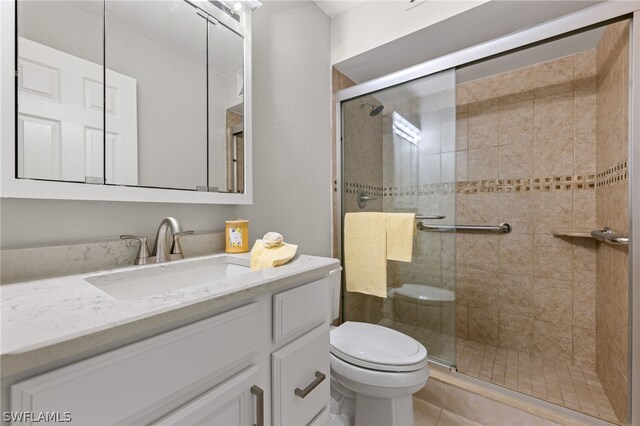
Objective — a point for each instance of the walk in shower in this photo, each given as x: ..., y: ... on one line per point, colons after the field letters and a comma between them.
x: 509, y: 162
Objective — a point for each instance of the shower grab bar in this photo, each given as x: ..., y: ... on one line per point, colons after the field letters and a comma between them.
x: 606, y: 235
x: 433, y: 216
x: 503, y: 228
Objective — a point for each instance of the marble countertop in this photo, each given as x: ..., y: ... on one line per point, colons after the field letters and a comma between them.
x: 51, y: 319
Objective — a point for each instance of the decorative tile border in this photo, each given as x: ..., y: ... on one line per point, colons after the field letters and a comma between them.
x: 354, y: 188
x: 546, y: 183
x: 613, y: 175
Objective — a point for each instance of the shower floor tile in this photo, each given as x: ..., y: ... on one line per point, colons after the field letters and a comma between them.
x: 533, y: 374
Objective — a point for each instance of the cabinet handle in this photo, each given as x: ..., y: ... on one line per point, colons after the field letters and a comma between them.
x: 306, y: 391
x: 259, y: 393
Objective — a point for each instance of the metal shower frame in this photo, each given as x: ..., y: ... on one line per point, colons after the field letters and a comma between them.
x: 589, y: 17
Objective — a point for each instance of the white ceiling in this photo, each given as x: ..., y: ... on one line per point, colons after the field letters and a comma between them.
x: 336, y: 7
x: 480, y: 24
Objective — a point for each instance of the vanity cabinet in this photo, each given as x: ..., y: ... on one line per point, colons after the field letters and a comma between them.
x: 266, y: 362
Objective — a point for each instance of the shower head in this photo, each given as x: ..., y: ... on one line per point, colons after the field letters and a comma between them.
x: 375, y: 110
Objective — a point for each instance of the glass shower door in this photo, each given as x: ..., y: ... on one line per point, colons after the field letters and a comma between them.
x: 399, y: 150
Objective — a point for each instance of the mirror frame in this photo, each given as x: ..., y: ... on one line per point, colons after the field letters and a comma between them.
x: 13, y: 187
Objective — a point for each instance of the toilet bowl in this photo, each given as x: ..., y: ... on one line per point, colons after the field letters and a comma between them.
x: 374, y: 372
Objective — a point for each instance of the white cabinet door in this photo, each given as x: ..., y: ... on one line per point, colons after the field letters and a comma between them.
x: 301, y: 378
x: 230, y: 404
x: 146, y: 380
x: 61, y: 114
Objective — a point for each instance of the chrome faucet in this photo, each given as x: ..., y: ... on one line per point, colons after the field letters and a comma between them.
x: 161, y: 252
x: 160, y: 247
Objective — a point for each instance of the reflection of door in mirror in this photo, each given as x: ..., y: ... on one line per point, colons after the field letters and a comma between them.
x: 60, y: 102
x: 226, y: 109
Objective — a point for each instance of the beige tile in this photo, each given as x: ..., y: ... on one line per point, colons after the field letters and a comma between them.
x: 462, y: 120
x: 553, y: 156
x: 584, y: 304
x: 480, y: 252
x: 516, y: 113
x: 516, y: 160
x: 516, y: 294
x: 584, y: 155
x: 477, y: 208
x: 554, y: 76
x: 482, y: 163
x: 516, y: 332
x: 483, y: 326
x: 553, y: 300
x: 425, y: 414
x: 462, y: 321
x: 449, y: 419
x: 584, y: 347
x: 553, y: 257
x: 517, y: 210
x: 584, y: 260
x: 552, y: 209
x: 477, y: 288
x: 516, y: 253
x: 553, y: 339
x: 461, y: 166
x: 584, y: 209
x: 483, y: 122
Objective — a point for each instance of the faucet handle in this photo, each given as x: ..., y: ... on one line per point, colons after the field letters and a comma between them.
x: 143, y: 251
x: 176, y: 248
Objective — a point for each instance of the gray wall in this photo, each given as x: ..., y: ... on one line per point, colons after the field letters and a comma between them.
x: 291, y: 153
x: 291, y: 133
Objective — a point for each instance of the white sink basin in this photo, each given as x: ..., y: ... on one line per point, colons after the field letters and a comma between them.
x: 161, y: 278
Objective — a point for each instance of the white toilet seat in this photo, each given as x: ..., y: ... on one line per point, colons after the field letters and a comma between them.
x: 377, y: 348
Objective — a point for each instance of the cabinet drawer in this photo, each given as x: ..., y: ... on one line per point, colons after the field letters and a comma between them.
x: 299, y: 391
x: 147, y: 379
x: 300, y: 309
x: 229, y: 404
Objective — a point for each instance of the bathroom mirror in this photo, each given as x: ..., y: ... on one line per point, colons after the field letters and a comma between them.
x: 170, y: 114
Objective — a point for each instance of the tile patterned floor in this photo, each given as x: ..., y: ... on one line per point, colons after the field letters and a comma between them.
x: 425, y: 414
x: 533, y: 374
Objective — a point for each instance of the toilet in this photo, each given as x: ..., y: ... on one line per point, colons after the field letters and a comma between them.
x: 374, y: 372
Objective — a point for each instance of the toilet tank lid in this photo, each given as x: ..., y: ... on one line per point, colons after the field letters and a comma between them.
x: 377, y: 345
x: 426, y: 293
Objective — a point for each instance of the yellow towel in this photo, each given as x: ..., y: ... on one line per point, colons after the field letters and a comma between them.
x: 265, y: 258
x: 370, y: 239
x: 400, y: 232
x: 365, y: 253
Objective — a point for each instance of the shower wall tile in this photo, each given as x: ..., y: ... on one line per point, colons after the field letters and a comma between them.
x: 517, y: 210
x: 551, y: 210
x: 553, y: 339
x: 483, y: 326
x: 546, y: 132
x: 516, y: 159
x: 516, y: 333
x: 516, y: 295
x: 612, y: 286
x: 553, y: 300
x: 483, y: 122
x: 482, y: 163
x: 516, y: 254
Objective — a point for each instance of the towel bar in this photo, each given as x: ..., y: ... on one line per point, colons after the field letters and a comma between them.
x: 503, y: 228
